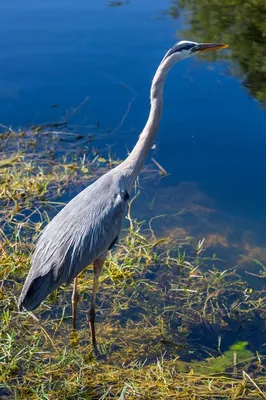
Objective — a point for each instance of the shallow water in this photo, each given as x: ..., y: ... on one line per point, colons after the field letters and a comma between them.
x: 86, y: 62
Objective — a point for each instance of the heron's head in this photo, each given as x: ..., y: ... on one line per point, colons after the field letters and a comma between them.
x: 185, y: 48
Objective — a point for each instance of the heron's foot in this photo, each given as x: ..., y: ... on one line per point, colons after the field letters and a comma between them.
x: 99, y: 355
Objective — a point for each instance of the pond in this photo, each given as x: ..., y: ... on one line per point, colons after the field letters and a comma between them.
x: 86, y: 67
x: 100, y: 57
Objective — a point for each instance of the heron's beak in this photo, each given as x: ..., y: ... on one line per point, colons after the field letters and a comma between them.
x: 210, y: 47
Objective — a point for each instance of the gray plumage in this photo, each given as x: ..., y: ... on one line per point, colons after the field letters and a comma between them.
x: 83, y: 231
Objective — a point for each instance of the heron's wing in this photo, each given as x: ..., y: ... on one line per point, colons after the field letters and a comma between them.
x: 80, y: 233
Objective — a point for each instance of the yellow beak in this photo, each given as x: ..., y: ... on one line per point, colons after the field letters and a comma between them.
x: 210, y: 46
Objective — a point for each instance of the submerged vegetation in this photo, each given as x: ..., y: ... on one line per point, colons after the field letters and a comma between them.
x: 169, y: 323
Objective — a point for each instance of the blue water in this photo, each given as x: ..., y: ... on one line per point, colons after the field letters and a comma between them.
x: 212, y: 136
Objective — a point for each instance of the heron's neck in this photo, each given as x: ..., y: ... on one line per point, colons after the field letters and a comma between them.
x: 136, y: 159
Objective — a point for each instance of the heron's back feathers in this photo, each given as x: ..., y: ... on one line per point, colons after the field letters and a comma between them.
x: 81, y: 232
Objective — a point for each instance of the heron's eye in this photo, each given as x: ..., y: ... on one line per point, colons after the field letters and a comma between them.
x: 193, y: 49
x: 124, y: 194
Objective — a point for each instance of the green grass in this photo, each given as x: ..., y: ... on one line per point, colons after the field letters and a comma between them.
x: 169, y: 323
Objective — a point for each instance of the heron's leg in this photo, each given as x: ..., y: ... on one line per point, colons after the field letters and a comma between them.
x: 74, y: 300
x: 97, y: 267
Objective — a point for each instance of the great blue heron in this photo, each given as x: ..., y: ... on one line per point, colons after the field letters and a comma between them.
x: 88, y: 226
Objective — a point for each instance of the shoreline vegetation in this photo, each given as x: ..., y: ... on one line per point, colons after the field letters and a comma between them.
x: 170, y: 324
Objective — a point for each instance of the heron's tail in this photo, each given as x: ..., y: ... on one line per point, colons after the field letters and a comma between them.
x: 35, y: 289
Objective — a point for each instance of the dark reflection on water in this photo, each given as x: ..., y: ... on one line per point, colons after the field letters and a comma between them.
x: 238, y: 23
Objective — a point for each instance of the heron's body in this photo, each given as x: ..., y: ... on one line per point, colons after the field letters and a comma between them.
x: 78, y: 235
x: 89, y: 225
